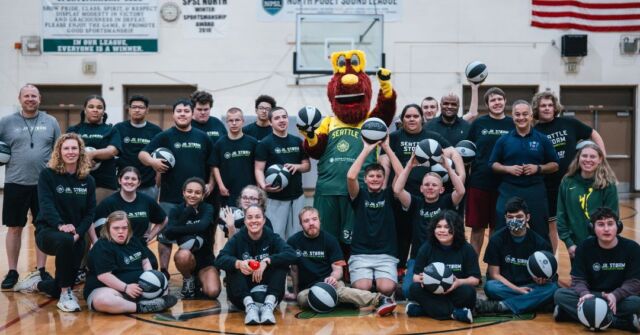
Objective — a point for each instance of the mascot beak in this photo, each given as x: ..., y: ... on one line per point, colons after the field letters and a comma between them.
x: 349, y: 79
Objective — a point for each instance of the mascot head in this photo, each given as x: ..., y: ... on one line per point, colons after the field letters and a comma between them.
x: 349, y: 90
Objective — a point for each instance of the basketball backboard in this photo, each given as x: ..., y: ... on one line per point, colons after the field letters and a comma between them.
x: 318, y: 35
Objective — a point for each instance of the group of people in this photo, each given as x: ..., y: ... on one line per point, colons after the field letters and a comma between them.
x: 532, y: 183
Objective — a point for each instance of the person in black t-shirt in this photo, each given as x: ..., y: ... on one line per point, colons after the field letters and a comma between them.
x: 256, y: 244
x: 320, y: 259
x: 510, y: 286
x: 564, y: 133
x: 135, y: 134
x: 280, y: 147
x: 262, y: 127
x: 373, y: 246
x: 448, y: 124
x: 605, y: 266
x: 421, y: 209
x: 116, y: 262
x: 193, y: 152
x: 446, y: 244
x: 232, y: 221
x: 233, y: 159
x: 146, y: 217
x: 190, y: 220
x: 67, y: 201
x: 96, y: 133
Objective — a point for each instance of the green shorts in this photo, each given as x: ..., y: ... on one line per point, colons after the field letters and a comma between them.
x: 336, y: 215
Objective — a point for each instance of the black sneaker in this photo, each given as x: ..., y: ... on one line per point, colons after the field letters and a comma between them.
x: 45, y: 275
x: 487, y: 306
x: 385, y: 305
x: 157, y: 305
x: 188, y: 288
x: 81, y: 276
x: 10, y: 280
x: 462, y: 315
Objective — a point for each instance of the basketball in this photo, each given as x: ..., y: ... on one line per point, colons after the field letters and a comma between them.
x: 428, y: 152
x: 153, y: 284
x: 467, y: 150
x: 594, y: 313
x: 237, y: 213
x: 258, y: 293
x: 309, y: 118
x: 373, y: 130
x: 542, y: 264
x: 437, y: 278
x: 476, y: 72
x: 5, y: 153
x: 277, y: 176
x: 98, y: 224
x: 166, y: 154
x: 441, y: 171
x: 96, y: 164
x: 190, y: 242
x: 322, y: 298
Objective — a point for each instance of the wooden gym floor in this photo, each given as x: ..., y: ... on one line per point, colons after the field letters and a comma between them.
x: 37, y: 314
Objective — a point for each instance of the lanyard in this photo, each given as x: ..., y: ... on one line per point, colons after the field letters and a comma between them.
x: 31, y: 130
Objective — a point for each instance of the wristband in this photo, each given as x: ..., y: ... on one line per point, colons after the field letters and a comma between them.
x: 125, y: 288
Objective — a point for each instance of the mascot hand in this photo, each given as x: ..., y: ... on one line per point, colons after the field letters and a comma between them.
x: 384, y: 78
x: 307, y: 132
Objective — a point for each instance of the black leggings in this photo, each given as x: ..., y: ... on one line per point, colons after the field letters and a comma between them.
x: 239, y: 285
x: 440, y: 306
x: 68, y: 256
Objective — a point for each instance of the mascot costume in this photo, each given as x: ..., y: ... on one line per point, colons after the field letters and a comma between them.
x: 337, y: 141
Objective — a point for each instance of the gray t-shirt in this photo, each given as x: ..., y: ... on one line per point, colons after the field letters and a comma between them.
x: 26, y: 162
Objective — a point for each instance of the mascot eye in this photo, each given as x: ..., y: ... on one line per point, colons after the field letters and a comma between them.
x: 342, y: 61
x: 355, y: 60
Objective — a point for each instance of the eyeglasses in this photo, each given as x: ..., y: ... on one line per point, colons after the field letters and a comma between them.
x: 244, y: 197
x: 263, y: 108
x: 137, y: 107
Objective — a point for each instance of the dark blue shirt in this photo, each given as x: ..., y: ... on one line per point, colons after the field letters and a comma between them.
x: 513, y: 149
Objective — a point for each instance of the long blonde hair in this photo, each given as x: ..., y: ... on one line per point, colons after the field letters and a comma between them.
x: 57, y: 164
x: 604, y: 175
x: 105, y: 233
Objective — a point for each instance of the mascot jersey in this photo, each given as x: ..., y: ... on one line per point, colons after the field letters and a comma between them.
x: 344, y: 143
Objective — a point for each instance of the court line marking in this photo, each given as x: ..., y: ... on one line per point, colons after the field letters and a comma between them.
x: 24, y: 315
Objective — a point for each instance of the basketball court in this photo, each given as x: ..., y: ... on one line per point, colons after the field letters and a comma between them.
x: 37, y: 314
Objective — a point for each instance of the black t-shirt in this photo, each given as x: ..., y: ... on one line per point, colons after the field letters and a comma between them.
x: 403, y: 144
x: 512, y: 256
x: 184, y: 221
x: 314, y: 257
x: 606, y: 269
x: 274, y: 149
x: 133, y: 141
x: 421, y: 213
x: 140, y: 212
x: 463, y: 261
x: 484, y: 132
x: 454, y: 133
x: 235, y: 159
x: 564, y: 133
x: 214, y: 128
x: 123, y: 261
x: 100, y: 136
x: 256, y: 131
x: 374, y: 228
x: 193, y: 153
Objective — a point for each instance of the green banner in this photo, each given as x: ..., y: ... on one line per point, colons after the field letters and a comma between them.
x: 99, y: 45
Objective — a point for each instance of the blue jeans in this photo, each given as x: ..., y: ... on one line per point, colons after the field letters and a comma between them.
x: 408, y: 277
x: 521, y: 303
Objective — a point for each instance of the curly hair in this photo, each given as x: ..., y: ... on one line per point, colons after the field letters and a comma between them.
x: 456, y: 228
x: 535, y: 103
x: 56, y: 163
x: 604, y: 175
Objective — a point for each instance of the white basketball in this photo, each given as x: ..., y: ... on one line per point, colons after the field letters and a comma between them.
x: 594, y: 313
x: 322, y: 297
x: 437, y: 277
x: 542, y: 264
x: 441, y: 171
x: 373, y: 130
x: 476, y: 72
x: 467, y: 150
x: 166, y: 154
x: 277, y: 176
x: 309, y: 118
x: 96, y: 164
x: 428, y: 152
x: 153, y: 284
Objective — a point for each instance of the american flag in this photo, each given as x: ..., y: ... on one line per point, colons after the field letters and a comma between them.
x: 589, y: 15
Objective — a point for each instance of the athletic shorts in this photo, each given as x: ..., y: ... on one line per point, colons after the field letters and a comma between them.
x: 18, y: 199
x: 337, y: 215
x: 93, y: 293
x: 480, y: 208
x: 373, y: 267
x: 203, y: 260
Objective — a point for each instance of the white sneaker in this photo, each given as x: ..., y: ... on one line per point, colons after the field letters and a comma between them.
x: 252, y: 316
x: 28, y: 284
x: 68, y: 302
x: 266, y: 314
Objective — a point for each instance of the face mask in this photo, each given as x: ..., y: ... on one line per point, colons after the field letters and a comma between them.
x: 516, y: 225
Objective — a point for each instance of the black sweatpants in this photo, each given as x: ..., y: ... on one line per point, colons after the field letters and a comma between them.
x: 68, y: 256
x: 440, y: 306
x: 404, y: 233
x: 239, y: 285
